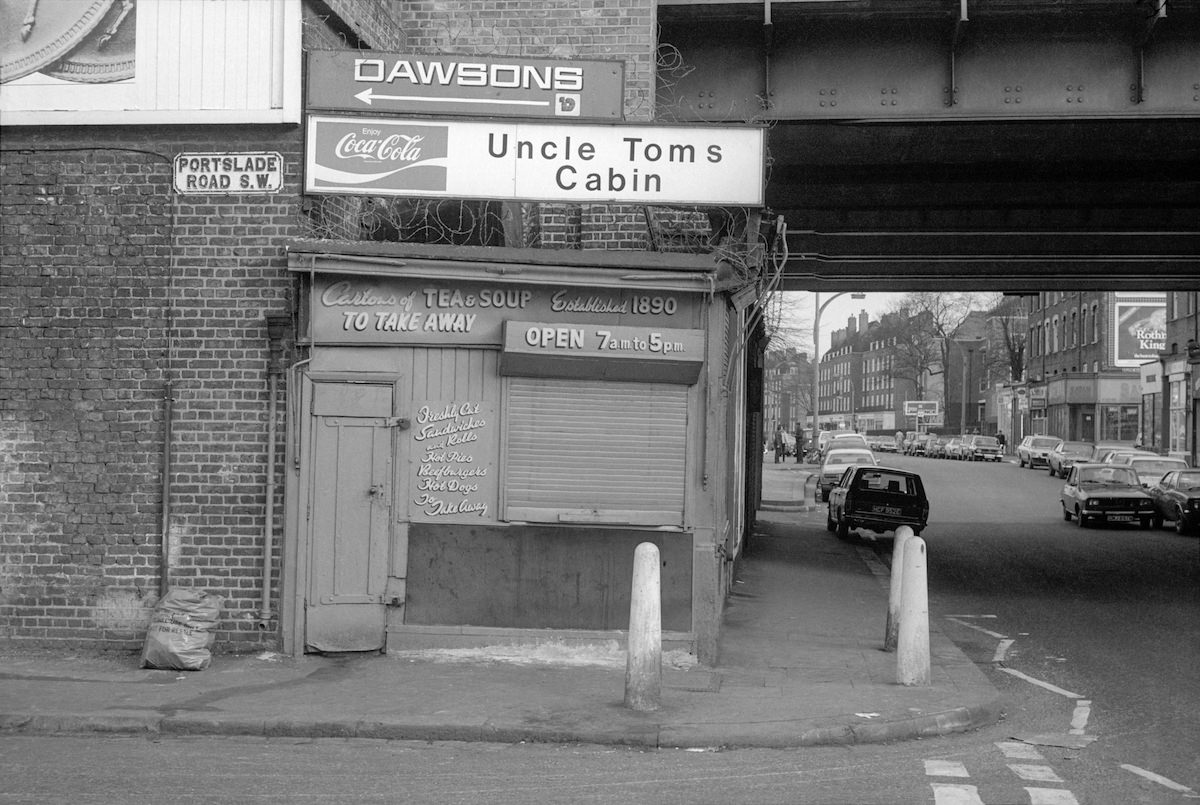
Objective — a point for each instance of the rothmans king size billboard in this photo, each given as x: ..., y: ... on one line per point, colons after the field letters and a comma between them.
x: 535, y: 161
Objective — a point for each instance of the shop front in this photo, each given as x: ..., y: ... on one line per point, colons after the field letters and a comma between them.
x: 478, y: 443
x: 1090, y: 408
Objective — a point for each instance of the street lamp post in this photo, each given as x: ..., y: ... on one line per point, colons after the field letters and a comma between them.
x: 816, y: 365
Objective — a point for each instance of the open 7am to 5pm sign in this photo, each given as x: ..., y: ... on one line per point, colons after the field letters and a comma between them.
x: 511, y: 161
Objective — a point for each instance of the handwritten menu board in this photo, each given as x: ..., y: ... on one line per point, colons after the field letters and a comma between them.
x: 454, y: 453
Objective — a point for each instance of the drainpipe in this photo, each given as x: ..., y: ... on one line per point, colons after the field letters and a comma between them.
x: 276, y: 327
x: 165, y: 534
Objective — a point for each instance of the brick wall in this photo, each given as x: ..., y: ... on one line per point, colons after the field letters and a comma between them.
x: 112, y: 286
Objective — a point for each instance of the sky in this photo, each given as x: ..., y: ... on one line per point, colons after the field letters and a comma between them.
x: 836, y: 313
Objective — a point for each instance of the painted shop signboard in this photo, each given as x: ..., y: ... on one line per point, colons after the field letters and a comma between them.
x: 398, y: 83
x: 703, y: 165
x: 453, y: 454
x: 392, y: 311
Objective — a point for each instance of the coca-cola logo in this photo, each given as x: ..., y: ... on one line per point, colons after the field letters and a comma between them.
x: 390, y: 148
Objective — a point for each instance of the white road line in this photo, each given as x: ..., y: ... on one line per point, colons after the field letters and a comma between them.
x: 1158, y: 778
x: 1015, y: 750
x: 945, y: 768
x: 961, y: 622
x: 1051, y: 796
x: 972, y: 616
x: 1079, y: 719
x: 953, y: 794
x: 1035, y: 774
x: 1002, y: 649
x: 1041, y: 684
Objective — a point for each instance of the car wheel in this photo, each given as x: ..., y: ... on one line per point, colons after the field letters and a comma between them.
x: 1066, y: 511
x: 1180, y: 523
x: 1050, y: 470
x: 843, y: 528
x: 1081, y: 519
x: 1020, y: 462
x: 829, y: 524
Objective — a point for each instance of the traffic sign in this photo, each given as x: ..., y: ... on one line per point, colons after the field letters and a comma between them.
x: 920, y: 407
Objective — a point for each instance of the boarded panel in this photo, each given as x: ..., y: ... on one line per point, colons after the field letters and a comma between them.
x: 539, y: 577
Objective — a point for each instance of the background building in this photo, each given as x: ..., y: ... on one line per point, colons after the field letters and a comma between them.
x: 1083, y: 380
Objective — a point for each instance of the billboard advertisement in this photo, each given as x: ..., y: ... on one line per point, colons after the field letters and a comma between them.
x: 1139, y: 329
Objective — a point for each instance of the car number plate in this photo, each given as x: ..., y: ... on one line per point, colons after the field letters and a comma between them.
x: 893, y: 510
x: 1122, y: 518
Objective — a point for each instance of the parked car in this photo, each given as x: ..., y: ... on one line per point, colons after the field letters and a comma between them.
x: 1100, y: 450
x: 847, y: 441
x: 835, y: 463
x: 1034, y: 450
x: 954, y: 448
x: 1150, y: 468
x: 1124, y: 456
x: 1065, y: 454
x: 886, y: 444
x: 880, y: 499
x: 1107, y: 494
x: 982, y: 448
x: 1176, y: 498
x: 936, y: 447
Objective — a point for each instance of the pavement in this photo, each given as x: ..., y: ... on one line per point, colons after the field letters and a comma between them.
x: 800, y: 663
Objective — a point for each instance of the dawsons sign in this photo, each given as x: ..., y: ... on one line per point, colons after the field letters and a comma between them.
x: 465, y: 85
x: 535, y: 161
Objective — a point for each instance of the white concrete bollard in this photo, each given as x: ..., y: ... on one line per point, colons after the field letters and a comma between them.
x: 903, y: 534
x: 643, y: 666
x: 912, y: 641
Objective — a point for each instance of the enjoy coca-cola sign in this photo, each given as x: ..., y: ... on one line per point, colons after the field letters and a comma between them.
x: 377, y: 155
x: 531, y: 160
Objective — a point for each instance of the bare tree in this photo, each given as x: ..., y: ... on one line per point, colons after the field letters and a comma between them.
x: 1008, y: 321
x: 933, y: 320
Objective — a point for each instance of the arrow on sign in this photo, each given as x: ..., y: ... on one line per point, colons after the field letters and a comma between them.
x: 367, y: 96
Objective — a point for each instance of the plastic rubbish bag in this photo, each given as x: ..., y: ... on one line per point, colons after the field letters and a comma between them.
x: 181, y: 631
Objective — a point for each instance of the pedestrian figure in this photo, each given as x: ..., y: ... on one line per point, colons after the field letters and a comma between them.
x: 1000, y: 438
x: 780, y: 444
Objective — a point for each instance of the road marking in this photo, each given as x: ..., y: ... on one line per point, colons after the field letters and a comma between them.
x: 1002, y: 649
x: 945, y: 768
x: 1163, y: 781
x: 1051, y: 796
x: 952, y: 794
x: 961, y: 622
x: 1016, y: 750
x: 1035, y: 774
x: 1079, y: 719
x: 1041, y: 684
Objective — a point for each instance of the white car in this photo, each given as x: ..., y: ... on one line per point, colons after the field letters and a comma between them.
x: 1151, y: 468
x: 1034, y: 450
x: 835, y: 463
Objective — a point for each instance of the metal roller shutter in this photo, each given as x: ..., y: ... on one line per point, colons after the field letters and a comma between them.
x: 595, y: 452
